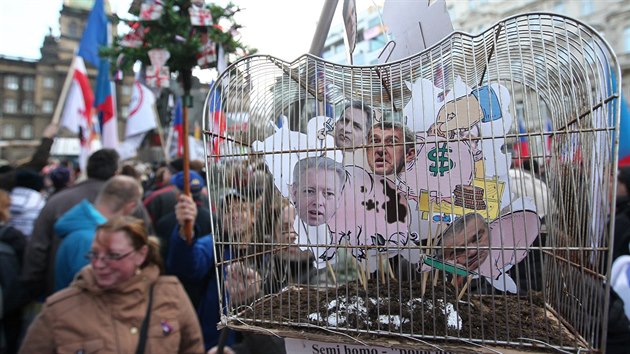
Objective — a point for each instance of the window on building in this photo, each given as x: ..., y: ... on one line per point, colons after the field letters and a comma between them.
x: 73, y: 29
x: 10, y: 105
x: 11, y: 82
x: 28, y: 107
x: 48, y: 106
x: 26, y: 132
x: 626, y: 39
x: 49, y: 82
x: 28, y: 83
x: 587, y: 7
x: 8, y: 131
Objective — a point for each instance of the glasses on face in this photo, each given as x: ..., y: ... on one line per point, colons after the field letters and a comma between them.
x: 107, y: 257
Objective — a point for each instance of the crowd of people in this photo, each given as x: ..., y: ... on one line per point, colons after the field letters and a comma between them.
x: 104, y: 261
x: 101, y: 262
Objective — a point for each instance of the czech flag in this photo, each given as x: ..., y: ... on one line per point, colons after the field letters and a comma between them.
x: 96, y: 35
x: 217, y: 121
x: 177, y: 129
x: 521, y: 148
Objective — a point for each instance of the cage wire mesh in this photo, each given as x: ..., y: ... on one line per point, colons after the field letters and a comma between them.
x: 454, y: 200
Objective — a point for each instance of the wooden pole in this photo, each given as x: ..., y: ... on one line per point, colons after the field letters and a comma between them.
x: 186, y: 82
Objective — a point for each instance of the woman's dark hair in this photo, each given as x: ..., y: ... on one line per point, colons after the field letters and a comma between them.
x: 136, y: 230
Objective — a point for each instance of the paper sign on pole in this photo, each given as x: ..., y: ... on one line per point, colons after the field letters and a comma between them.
x: 414, y: 26
x: 350, y: 24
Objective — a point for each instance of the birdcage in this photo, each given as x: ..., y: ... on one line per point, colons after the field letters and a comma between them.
x: 455, y: 200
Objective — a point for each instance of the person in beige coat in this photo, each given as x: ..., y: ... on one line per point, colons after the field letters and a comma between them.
x: 104, y: 308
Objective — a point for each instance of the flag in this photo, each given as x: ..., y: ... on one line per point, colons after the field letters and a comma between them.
x: 104, y: 104
x: 521, y: 148
x: 218, y: 124
x: 624, y: 133
x: 176, y: 136
x: 77, y: 112
x: 94, y: 35
x: 140, y: 120
x: 141, y: 117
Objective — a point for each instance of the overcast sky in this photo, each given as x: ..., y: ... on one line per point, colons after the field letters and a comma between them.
x: 283, y: 28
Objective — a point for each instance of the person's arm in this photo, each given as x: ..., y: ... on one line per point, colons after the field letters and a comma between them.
x: 39, y: 337
x: 39, y: 159
x: 189, y: 261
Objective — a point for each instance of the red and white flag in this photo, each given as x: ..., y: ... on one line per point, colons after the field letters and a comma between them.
x: 77, y: 113
x: 141, y: 119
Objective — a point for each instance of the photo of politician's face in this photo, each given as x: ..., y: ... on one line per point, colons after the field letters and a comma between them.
x: 351, y: 128
x: 467, y: 242
x: 316, y: 196
x: 386, y: 151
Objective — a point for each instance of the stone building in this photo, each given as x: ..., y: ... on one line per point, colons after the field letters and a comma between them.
x: 611, y: 18
x: 30, y: 89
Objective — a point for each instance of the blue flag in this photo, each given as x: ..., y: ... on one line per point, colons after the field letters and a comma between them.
x: 94, y: 35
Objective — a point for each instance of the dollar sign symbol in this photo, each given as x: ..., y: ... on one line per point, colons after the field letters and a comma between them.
x: 440, y: 154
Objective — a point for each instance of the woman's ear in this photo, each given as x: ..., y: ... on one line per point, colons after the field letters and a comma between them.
x: 142, y: 255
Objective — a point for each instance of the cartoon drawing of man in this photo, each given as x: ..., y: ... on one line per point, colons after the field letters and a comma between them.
x: 352, y: 126
x: 318, y: 184
x: 459, y: 116
x: 390, y: 146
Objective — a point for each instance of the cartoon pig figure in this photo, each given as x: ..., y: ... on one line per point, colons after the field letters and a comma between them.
x: 373, y: 214
x: 440, y: 165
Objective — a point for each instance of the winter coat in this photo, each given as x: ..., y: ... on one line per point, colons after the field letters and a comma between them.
x: 76, y: 230
x: 196, y: 263
x: 25, y: 207
x: 38, y: 277
x: 38, y: 269
x: 87, y: 319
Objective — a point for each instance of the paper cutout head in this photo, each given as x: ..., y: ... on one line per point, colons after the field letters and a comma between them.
x: 318, y: 184
x: 353, y: 124
x: 390, y: 146
x: 466, y: 242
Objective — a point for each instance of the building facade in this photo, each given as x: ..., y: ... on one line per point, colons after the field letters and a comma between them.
x: 30, y: 89
x: 611, y: 18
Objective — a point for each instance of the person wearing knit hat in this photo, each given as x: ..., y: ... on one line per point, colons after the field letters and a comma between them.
x: 60, y: 177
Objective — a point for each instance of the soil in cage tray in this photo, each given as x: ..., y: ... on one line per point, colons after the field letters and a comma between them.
x: 400, y: 309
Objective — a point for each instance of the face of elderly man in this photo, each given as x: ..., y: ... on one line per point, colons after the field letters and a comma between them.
x: 317, y: 195
x: 386, y: 152
x: 351, y: 128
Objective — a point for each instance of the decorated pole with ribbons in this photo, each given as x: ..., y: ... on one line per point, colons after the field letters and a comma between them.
x: 174, y: 37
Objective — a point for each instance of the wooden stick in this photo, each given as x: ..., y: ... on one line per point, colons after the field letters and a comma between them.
x: 436, y: 277
x: 391, y: 271
x: 332, y: 272
x: 188, y: 225
x: 464, y: 288
x: 381, y: 268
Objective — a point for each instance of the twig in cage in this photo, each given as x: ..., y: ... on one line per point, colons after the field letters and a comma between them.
x: 332, y: 272
x: 464, y: 288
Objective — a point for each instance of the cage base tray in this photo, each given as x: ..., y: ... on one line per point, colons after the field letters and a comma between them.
x: 398, y: 317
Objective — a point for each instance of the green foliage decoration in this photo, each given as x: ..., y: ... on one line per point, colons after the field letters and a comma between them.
x: 173, y: 31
